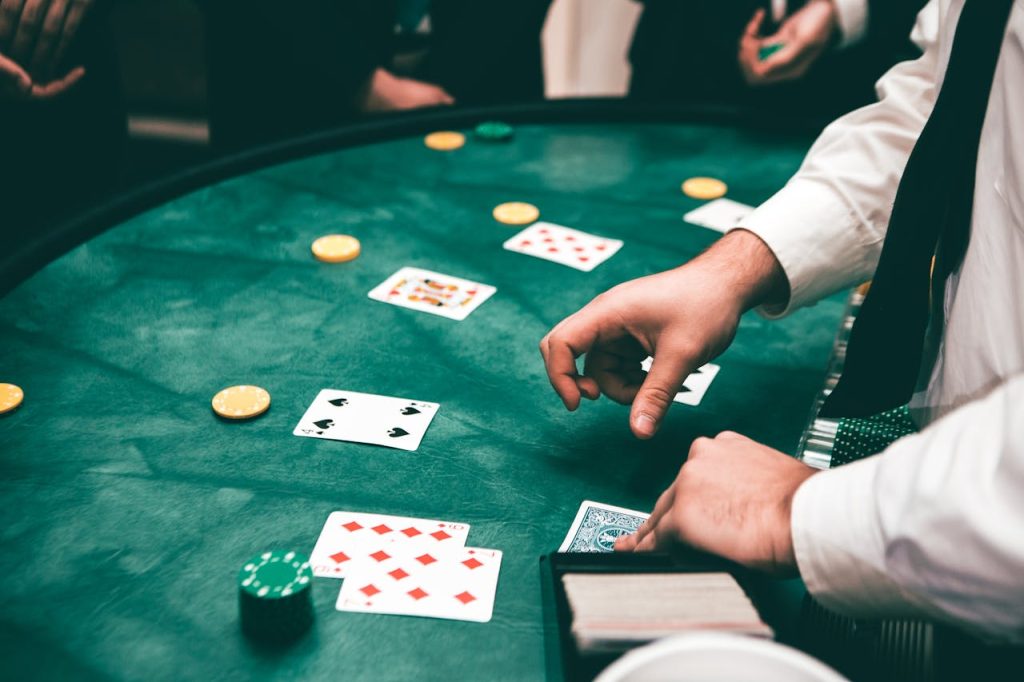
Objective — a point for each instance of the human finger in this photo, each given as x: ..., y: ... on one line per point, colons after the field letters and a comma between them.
x: 49, y: 36
x: 14, y: 80
x: 59, y: 86
x: 77, y: 11
x: 668, y: 370
x: 10, y: 11
x: 570, y: 339
x: 615, y: 368
x: 32, y: 14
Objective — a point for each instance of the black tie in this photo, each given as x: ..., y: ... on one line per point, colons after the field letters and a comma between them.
x: 931, y: 216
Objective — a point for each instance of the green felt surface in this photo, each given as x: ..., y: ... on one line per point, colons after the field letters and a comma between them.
x: 128, y: 508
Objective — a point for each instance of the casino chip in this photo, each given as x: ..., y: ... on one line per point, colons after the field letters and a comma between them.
x: 516, y: 213
x: 241, y: 402
x: 494, y: 131
x: 10, y: 397
x: 336, y: 248
x: 704, y: 188
x: 275, y: 602
x: 766, y: 51
x: 444, y: 140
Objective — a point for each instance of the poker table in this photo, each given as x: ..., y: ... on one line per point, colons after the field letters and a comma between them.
x: 129, y: 507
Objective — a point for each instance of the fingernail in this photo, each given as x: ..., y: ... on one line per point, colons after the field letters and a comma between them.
x: 645, y: 424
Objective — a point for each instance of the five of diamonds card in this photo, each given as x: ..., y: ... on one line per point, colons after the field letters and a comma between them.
x: 432, y: 292
x: 563, y: 245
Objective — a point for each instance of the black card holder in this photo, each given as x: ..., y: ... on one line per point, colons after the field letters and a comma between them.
x: 562, y: 660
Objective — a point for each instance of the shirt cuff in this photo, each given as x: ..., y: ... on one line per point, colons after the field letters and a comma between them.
x: 839, y: 547
x: 852, y: 18
x: 817, y: 240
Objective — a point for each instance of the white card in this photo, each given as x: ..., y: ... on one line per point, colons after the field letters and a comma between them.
x: 457, y: 584
x: 597, y: 526
x: 721, y: 214
x: 696, y: 385
x: 432, y: 292
x: 563, y: 245
x: 350, y: 541
x: 367, y: 418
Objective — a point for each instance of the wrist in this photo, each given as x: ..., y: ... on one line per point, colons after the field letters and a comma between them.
x: 747, y: 268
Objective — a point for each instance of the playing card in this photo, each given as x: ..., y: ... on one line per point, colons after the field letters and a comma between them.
x: 721, y: 214
x: 458, y: 584
x: 564, y: 245
x: 350, y: 541
x: 432, y: 292
x: 597, y: 526
x: 696, y: 385
x: 366, y: 418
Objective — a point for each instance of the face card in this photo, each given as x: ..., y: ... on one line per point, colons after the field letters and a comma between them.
x: 721, y: 214
x: 597, y: 526
x: 564, y: 245
x: 352, y: 541
x: 367, y: 418
x: 432, y: 292
x: 459, y: 584
x: 696, y: 385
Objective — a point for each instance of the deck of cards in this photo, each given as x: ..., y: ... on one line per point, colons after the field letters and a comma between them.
x: 406, y: 566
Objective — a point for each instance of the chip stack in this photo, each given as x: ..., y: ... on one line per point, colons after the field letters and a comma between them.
x: 274, y: 596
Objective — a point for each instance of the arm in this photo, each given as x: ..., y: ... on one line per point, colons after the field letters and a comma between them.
x: 931, y: 527
x: 826, y: 226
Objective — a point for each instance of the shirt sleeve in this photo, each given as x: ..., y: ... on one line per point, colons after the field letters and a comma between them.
x: 826, y: 226
x: 929, y: 528
x: 852, y: 18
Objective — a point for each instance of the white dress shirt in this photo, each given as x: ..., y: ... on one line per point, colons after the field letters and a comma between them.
x: 934, y: 525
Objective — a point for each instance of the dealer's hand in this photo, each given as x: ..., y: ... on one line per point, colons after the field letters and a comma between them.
x: 683, y: 317
x: 733, y: 497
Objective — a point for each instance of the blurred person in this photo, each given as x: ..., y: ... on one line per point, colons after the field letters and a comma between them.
x: 277, y: 71
x: 62, y: 120
x: 831, y: 54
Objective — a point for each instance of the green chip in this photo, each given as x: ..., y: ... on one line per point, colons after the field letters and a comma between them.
x: 274, y: 575
x: 494, y: 131
x: 768, y: 50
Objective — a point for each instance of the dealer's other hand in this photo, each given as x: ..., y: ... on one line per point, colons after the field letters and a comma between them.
x: 733, y: 497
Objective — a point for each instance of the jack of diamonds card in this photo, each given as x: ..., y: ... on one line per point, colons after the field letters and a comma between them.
x: 432, y: 292
x: 563, y: 245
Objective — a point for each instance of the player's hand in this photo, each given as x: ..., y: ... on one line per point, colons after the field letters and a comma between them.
x: 804, y: 36
x: 683, y: 317
x: 387, y: 92
x: 34, y: 37
x: 733, y: 497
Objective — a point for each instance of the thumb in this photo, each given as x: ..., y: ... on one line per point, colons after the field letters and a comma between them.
x: 655, y: 396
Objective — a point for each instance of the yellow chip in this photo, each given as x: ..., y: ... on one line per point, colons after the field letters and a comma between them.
x: 445, y: 140
x: 241, y: 402
x: 516, y: 213
x: 336, y: 248
x: 704, y: 188
x: 10, y: 397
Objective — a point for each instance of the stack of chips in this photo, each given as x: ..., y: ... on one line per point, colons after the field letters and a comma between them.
x: 274, y: 596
